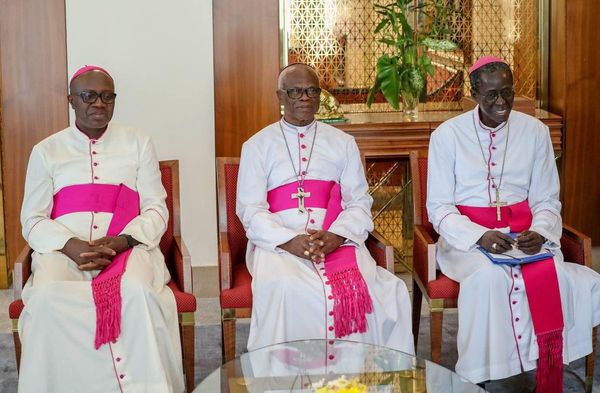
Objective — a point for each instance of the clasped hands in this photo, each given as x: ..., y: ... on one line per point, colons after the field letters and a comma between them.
x: 96, y: 254
x: 530, y: 242
x: 314, y: 246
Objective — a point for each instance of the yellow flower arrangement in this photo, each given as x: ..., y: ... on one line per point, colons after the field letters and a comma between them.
x: 342, y: 385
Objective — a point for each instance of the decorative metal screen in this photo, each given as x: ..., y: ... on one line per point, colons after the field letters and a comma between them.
x: 389, y: 185
x: 336, y: 37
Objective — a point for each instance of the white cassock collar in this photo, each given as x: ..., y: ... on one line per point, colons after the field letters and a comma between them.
x: 307, y: 129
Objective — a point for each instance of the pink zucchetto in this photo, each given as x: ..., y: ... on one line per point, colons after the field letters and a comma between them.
x: 88, y: 68
x: 483, y: 61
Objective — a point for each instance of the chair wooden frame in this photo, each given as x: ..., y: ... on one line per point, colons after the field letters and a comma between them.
x: 374, y: 243
x: 423, y: 236
x: 425, y: 239
x: 22, y: 271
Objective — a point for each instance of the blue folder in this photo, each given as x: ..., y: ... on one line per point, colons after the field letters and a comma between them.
x: 502, y: 259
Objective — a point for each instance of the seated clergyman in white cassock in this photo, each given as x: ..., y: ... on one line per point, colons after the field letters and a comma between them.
x: 493, y: 186
x: 98, y: 316
x: 302, y: 198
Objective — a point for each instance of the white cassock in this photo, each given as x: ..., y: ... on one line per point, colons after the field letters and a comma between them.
x: 495, y: 336
x: 58, y: 324
x: 290, y: 294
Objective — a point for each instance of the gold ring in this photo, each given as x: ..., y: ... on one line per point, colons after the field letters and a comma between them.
x: 306, y: 252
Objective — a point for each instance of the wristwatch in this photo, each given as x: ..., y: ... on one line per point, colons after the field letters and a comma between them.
x: 131, y: 242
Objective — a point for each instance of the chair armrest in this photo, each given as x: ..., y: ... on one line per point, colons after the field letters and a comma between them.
x: 183, y: 261
x: 224, y: 261
x: 576, y: 246
x: 21, y: 271
x: 381, y: 251
x: 424, y: 264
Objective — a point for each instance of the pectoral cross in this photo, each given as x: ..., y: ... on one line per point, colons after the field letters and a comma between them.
x: 498, y: 204
x: 300, y: 195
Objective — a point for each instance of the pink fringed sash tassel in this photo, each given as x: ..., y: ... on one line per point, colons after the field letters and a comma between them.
x: 549, y: 375
x: 106, y: 289
x: 124, y: 203
x: 543, y: 295
x: 351, y: 298
x: 541, y: 286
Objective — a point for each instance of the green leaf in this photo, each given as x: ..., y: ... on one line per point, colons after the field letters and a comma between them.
x: 387, y: 41
x: 381, y: 25
x: 443, y: 45
x: 387, y: 70
x: 410, y: 55
x: 425, y: 64
x: 425, y: 58
x: 373, y: 91
x: 407, y: 31
x: 430, y: 69
x: 394, y: 21
x: 416, y: 79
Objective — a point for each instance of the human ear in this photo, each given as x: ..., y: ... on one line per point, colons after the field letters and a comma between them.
x: 281, y: 96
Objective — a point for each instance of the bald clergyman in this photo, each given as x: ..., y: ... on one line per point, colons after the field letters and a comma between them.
x: 302, y: 198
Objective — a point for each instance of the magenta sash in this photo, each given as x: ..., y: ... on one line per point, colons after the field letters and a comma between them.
x: 543, y: 294
x: 124, y: 203
x: 351, y: 298
x: 280, y: 198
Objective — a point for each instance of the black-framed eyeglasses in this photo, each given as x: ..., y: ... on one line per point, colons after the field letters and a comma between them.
x: 296, y: 92
x: 89, y: 97
x: 507, y: 94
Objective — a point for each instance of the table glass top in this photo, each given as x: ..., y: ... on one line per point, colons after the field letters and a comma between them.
x: 311, y: 365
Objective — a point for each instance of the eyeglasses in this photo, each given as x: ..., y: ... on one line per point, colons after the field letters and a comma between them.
x: 89, y: 97
x: 507, y: 94
x: 296, y: 92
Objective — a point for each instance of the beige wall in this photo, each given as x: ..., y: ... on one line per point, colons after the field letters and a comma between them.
x: 160, y: 55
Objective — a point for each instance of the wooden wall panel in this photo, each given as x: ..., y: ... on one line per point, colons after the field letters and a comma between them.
x: 33, y: 69
x: 246, y: 65
x: 557, y: 57
x: 574, y: 87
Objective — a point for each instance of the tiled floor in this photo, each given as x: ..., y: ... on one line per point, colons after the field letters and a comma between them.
x: 208, y: 311
x: 6, y: 297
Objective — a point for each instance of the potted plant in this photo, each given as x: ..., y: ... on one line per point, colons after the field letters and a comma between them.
x: 403, y: 72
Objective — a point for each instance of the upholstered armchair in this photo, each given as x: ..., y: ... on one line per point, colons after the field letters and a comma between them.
x: 177, y: 259
x: 440, y: 292
x: 234, y: 279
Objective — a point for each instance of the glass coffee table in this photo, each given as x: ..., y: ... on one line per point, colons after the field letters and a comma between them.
x: 306, y: 366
